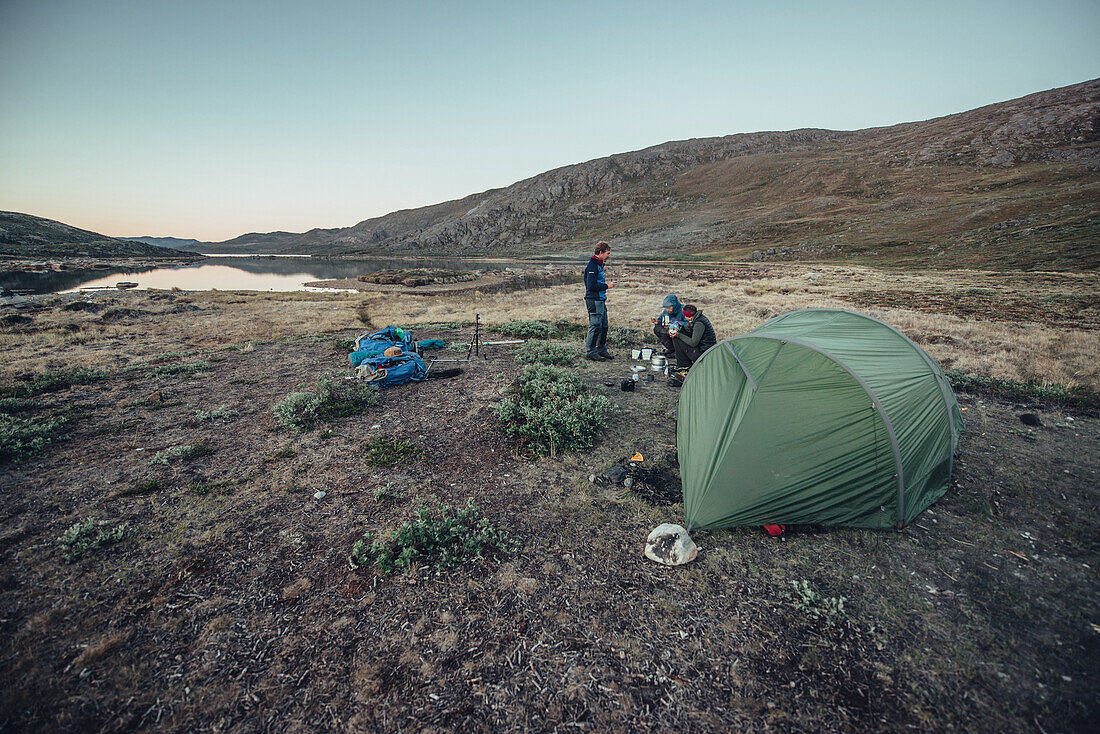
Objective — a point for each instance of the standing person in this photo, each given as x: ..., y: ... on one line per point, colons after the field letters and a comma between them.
x: 671, y: 311
x: 693, y: 338
x: 595, y: 300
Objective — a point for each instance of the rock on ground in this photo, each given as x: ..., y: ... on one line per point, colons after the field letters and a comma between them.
x: 671, y: 545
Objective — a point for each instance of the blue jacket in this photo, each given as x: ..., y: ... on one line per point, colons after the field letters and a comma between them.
x: 664, y: 317
x: 595, y: 285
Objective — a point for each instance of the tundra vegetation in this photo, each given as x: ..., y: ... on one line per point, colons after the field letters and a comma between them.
x: 236, y: 602
x: 551, y: 410
x: 389, y: 452
x: 438, y: 536
x: 547, y: 353
x: 89, y: 535
x: 333, y: 398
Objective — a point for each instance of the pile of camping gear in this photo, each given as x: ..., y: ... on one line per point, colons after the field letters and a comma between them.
x: 391, y: 356
x: 388, y: 357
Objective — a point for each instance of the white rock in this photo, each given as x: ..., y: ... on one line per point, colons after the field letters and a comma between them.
x: 319, y: 494
x: 671, y: 545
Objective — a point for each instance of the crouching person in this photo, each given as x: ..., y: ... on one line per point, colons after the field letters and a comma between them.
x: 671, y: 312
x: 694, y: 337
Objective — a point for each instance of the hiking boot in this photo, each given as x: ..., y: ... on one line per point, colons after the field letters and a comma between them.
x: 605, y: 355
x: 674, y: 380
x: 595, y: 357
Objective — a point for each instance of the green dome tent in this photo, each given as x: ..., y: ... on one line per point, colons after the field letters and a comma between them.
x: 820, y: 416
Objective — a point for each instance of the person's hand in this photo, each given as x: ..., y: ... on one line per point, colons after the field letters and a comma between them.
x: 653, y: 321
x: 610, y: 284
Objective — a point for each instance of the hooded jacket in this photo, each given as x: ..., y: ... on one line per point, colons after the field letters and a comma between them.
x: 664, y: 318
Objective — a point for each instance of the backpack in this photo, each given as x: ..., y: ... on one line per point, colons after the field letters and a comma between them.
x: 395, y: 335
x: 372, y: 345
x: 387, y: 371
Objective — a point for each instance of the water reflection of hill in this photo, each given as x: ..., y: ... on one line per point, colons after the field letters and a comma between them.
x: 309, y: 269
x: 327, y: 269
x: 53, y: 282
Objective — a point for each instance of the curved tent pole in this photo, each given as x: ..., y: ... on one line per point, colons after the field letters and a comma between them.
x: 870, y: 393
x: 741, y: 364
x: 923, y: 354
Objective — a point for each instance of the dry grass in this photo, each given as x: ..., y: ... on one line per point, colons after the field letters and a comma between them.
x: 97, y: 650
x: 194, y: 321
x: 1011, y: 350
x: 736, y: 299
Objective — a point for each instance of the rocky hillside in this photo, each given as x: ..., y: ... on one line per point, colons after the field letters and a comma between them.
x: 1010, y: 185
x: 27, y: 236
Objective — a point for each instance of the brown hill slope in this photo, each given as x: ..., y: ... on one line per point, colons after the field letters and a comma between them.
x: 28, y: 236
x: 1009, y: 185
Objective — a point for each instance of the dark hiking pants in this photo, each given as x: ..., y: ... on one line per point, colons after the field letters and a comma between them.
x: 596, y: 341
x: 663, y: 338
x: 685, y: 355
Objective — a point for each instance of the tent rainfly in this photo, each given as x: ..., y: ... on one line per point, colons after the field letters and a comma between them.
x: 820, y: 416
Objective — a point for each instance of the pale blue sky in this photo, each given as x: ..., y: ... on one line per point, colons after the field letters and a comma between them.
x: 212, y: 119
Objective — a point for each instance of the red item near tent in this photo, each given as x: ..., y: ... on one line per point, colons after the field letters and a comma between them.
x: 775, y: 530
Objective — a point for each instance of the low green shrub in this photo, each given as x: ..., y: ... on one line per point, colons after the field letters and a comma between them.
x: 332, y: 399
x: 52, y: 382
x: 344, y: 344
x: 617, y: 336
x: 16, y: 405
x: 829, y: 610
x: 203, y: 488
x: 389, y: 452
x: 181, y: 453
x: 385, y: 492
x: 626, y: 336
x: 549, y: 411
x: 223, y: 412
x: 1030, y: 390
x: 442, y: 537
x: 570, y: 330
x: 546, y: 353
x: 20, y: 437
x: 88, y: 535
x: 527, y: 329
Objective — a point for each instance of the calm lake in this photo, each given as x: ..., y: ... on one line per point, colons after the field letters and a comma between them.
x: 225, y: 273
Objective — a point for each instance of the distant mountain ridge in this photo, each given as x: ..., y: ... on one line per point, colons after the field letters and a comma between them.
x: 1013, y: 184
x: 175, y: 242
x: 28, y: 236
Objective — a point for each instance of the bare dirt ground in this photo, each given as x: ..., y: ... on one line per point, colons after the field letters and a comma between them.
x: 233, y: 607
